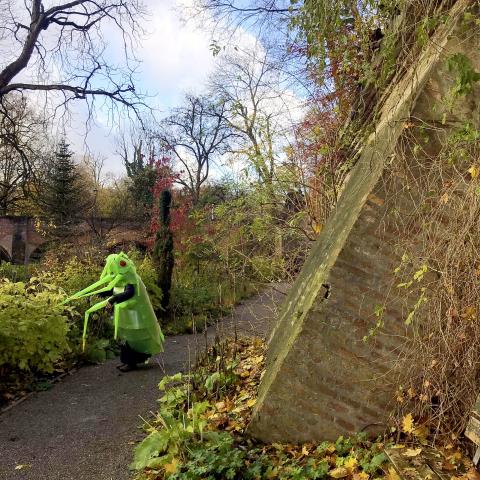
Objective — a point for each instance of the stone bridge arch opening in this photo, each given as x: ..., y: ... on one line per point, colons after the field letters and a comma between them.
x: 4, y: 256
x: 21, y: 242
x: 37, y: 254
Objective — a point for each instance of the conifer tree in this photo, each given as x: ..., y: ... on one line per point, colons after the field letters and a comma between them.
x: 142, y: 176
x: 62, y: 193
x: 163, y: 249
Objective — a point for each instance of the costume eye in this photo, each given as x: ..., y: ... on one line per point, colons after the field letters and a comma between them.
x: 123, y: 263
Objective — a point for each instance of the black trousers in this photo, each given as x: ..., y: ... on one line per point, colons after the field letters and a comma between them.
x: 131, y: 357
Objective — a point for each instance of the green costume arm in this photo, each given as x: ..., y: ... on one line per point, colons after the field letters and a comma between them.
x: 90, y: 290
x: 112, y: 284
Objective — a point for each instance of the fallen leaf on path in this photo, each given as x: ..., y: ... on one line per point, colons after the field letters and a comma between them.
x: 392, y: 474
x: 350, y: 464
x: 361, y: 476
x: 21, y: 467
x: 412, y: 452
x: 339, y: 472
x: 171, y: 467
x: 473, y: 171
x: 408, y: 423
x: 472, y: 474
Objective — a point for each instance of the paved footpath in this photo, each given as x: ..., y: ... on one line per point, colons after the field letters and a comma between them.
x: 85, y: 427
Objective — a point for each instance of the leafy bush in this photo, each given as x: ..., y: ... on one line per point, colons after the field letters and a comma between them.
x: 15, y: 273
x: 201, y: 299
x: 188, y: 300
x: 75, y: 274
x: 33, y: 325
x: 71, y: 276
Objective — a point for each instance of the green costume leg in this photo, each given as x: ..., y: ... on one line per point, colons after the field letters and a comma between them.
x: 92, y: 309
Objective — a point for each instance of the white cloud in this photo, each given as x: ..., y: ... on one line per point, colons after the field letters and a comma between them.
x: 176, y: 56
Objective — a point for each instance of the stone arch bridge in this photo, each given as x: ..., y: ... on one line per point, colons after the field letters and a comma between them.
x: 21, y: 241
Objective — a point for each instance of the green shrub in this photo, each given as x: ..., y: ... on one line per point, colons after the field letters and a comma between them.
x: 71, y: 276
x: 75, y: 274
x: 188, y: 300
x: 33, y: 325
x: 15, y: 273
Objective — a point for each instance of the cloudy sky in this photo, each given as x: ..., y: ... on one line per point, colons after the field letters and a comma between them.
x: 175, y: 57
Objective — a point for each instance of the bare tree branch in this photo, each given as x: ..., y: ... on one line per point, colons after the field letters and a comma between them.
x: 196, y: 134
x: 74, y: 48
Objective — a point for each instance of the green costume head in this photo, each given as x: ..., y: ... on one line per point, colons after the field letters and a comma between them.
x: 119, y: 266
x: 134, y: 318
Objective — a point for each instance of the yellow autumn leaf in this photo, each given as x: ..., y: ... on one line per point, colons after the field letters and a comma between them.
x: 469, y: 313
x: 350, y: 464
x: 331, y: 448
x: 412, y: 452
x: 473, y: 171
x: 408, y: 424
x: 21, y: 467
x: 392, y: 474
x: 171, y: 467
x: 339, y: 472
x: 361, y: 476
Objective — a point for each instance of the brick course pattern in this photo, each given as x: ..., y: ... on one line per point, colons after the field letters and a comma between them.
x: 322, y: 379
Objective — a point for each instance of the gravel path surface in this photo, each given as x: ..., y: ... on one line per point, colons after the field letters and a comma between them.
x: 84, y: 428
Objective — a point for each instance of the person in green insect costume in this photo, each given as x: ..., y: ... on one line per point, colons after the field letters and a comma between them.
x: 135, y: 323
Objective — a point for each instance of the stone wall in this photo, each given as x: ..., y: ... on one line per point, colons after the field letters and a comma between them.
x: 18, y: 238
x: 322, y: 379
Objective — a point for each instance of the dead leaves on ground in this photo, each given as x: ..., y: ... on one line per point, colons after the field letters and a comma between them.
x: 231, y: 404
x: 233, y: 411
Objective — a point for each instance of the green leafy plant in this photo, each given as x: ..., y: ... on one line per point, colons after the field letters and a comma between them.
x: 33, y: 325
x: 199, y: 430
x: 467, y: 76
